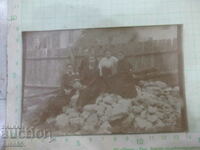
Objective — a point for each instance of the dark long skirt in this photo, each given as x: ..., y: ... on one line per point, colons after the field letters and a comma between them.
x: 123, y: 85
x: 89, y: 94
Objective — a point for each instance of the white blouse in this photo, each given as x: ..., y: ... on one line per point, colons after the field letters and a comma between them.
x: 107, y: 63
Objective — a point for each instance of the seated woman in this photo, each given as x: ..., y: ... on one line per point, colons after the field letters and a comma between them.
x: 123, y: 82
x: 54, y: 105
x: 68, y: 79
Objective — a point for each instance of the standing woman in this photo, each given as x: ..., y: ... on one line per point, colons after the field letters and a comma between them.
x: 107, y: 65
x: 93, y: 84
x: 123, y: 82
x: 88, y: 70
x: 83, y: 64
x: 107, y: 69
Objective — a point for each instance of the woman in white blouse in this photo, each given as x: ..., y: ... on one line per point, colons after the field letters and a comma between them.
x: 108, y: 65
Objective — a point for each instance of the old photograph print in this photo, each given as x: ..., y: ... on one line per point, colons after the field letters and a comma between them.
x: 119, y: 80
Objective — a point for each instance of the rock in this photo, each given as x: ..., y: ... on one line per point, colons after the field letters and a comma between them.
x: 73, y: 115
x: 118, y: 97
x: 104, y: 118
x: 167, y: 109
x: 172, y: 118
x: 134, y: 100
x: 152, y: 110
x: 137, y: 109
x: 99, y: 99
x: 151, y: 101
x: 143, y: 114
x: 167, y: 91
x: 148, y: 98
x: 108, y: 111
x: 142, y: 123
x: 162, y: 99
x: 109, y: 99
x: 142, y: 107
x: 120, y: 110
x: 68, y: 110
x: 105, y: 126
x: 153, y: 90
x: 91, y: 123
x: 159, y: 114
x: 85, y: 114
x: 131, y: 117
x: 152, y: 118
x: 176, y: 90
x: 92, y: 120
x: 76, y: 122
x: 116, y: 117
x: 160, y: 84
x: 124, y: 102
x: 89, y: 129
x: 146, y: 84
x: 172, y: 100
x: 62, y: 121
x: 159, y: 124
x: 90, y: 108
x: 101, y: 110
x: 128, y: 121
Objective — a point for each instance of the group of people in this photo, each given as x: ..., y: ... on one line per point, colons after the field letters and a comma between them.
x: 111, y: 74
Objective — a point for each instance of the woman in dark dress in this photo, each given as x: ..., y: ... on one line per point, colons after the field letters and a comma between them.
x: 89, y: 75
x: 54, y: 105
x: 88, y: 70
x: 123, y: 82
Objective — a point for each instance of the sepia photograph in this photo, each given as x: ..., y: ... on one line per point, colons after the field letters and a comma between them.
x: 118, y: 80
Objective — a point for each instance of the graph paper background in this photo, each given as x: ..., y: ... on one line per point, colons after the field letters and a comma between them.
x: 34, y: 15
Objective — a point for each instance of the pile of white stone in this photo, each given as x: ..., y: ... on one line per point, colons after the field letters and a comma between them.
x: 157, y: 106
